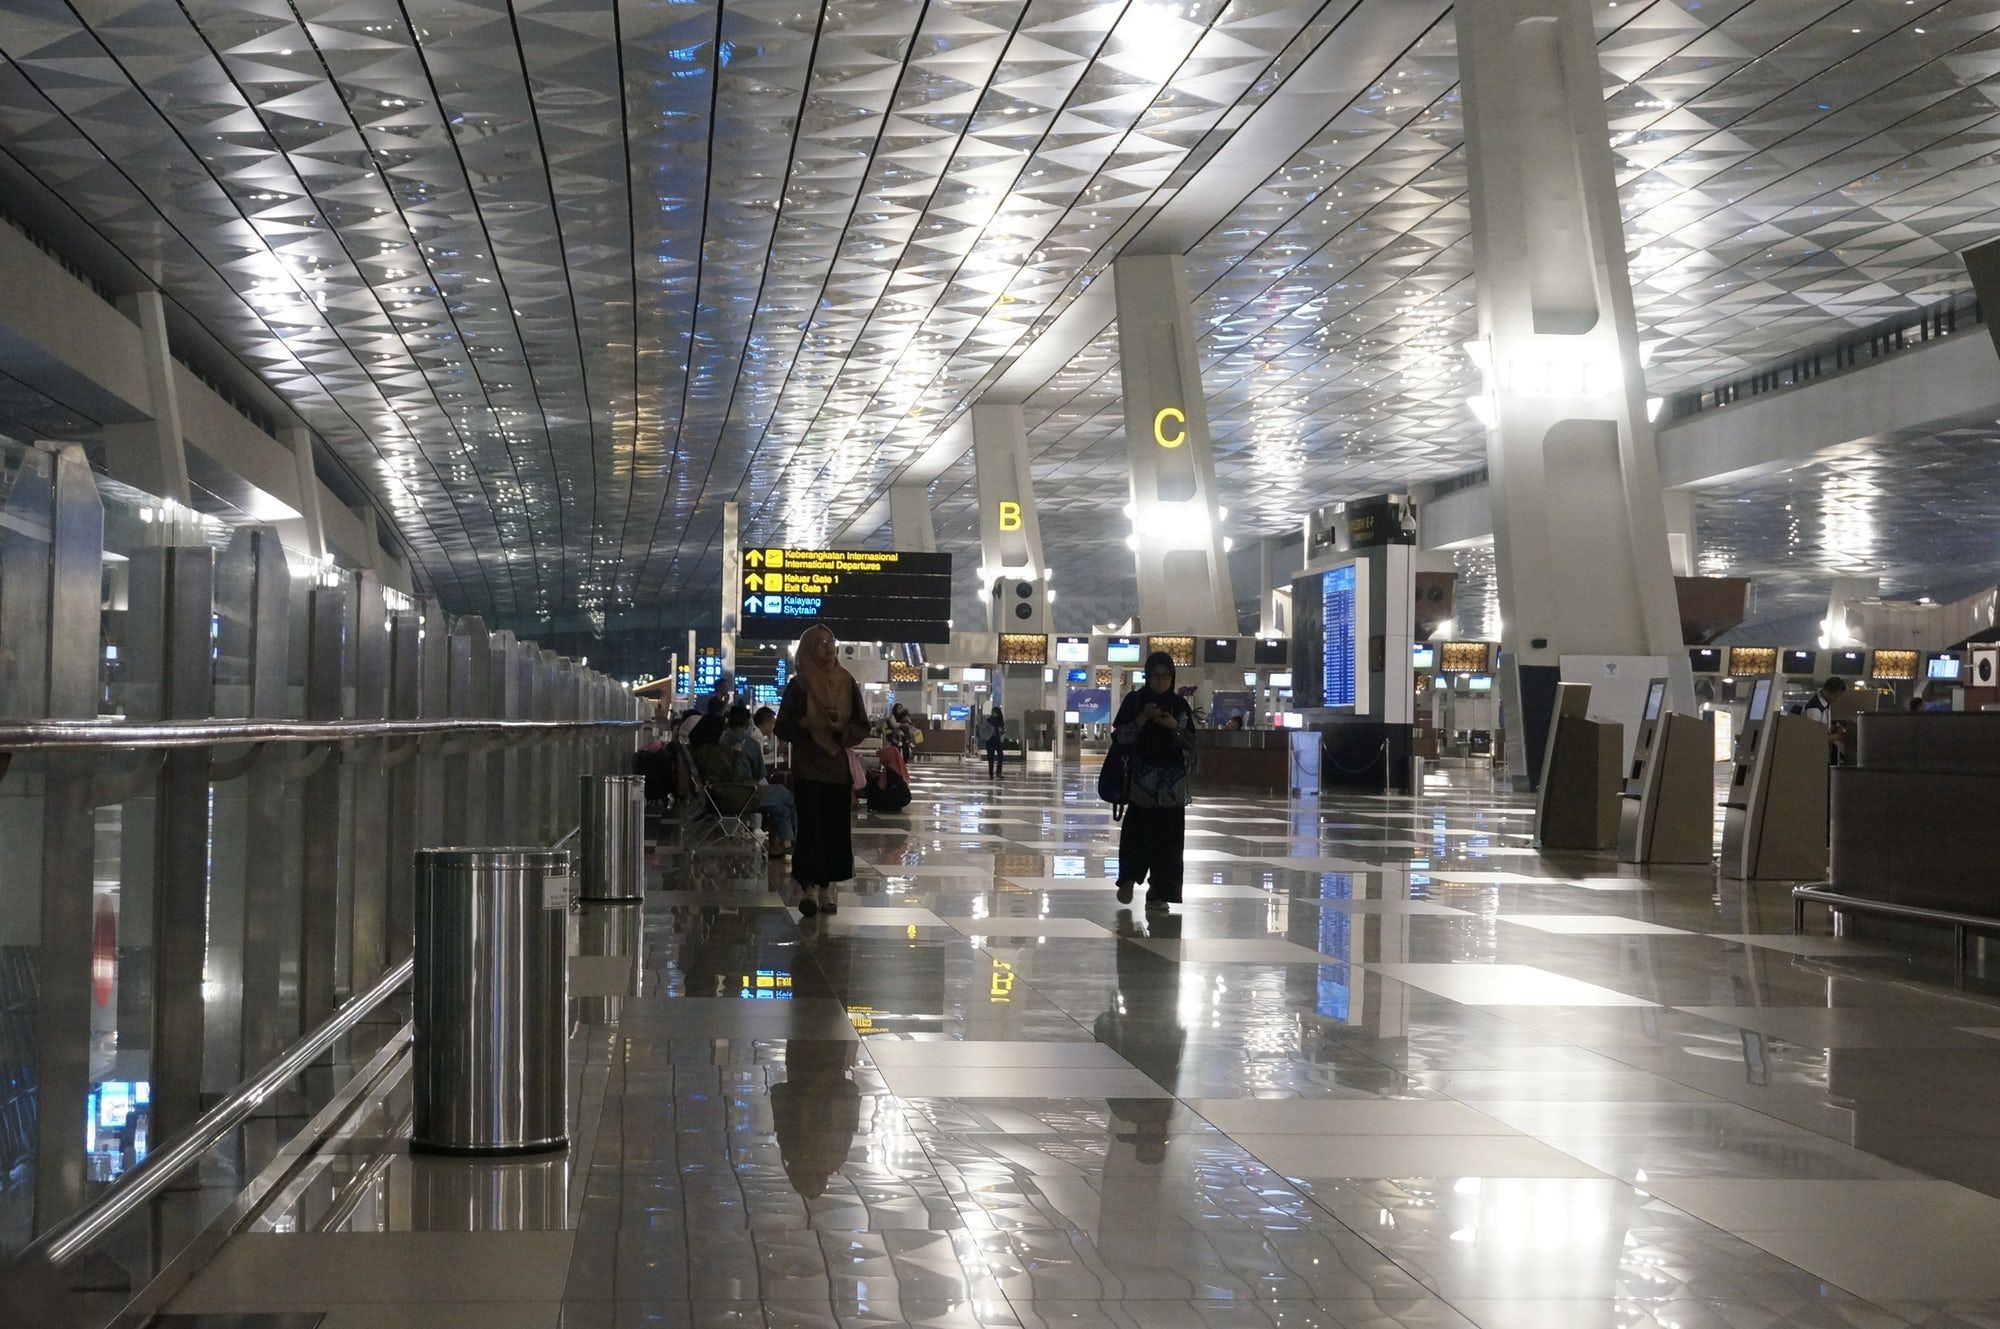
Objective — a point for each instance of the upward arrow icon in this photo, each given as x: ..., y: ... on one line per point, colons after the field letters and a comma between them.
x: 755, y: 558
x: 753, y: 605
x: 754, y: 582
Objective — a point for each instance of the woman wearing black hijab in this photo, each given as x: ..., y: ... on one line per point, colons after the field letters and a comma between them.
x: 1154, y: 732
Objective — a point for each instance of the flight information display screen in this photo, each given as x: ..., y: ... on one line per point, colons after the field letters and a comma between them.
x: 1337, y: 636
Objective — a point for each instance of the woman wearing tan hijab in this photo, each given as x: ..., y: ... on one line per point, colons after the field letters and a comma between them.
x: 822, y: 716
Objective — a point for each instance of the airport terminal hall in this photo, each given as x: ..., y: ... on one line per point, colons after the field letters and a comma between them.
x: 1000, y: 664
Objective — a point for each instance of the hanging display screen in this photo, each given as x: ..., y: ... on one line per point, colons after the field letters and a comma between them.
x: 863, y: 595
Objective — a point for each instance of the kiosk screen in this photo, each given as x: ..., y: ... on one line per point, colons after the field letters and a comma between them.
x: 1946, y: 669
x: 1655, y: 696
x: 1760, y: 700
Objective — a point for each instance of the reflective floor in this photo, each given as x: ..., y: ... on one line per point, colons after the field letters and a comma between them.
x: 1388, y: 1066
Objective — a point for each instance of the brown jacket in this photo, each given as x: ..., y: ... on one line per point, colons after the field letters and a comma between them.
x: 810, y: 761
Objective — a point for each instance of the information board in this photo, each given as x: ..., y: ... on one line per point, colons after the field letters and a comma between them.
x: 1337, y: 625
x: 863, y: 595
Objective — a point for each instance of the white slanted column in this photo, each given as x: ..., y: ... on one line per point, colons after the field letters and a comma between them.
x: 1579, y: 522
x: 303, y: 534
x: 1183, y: 567
x: 910, y: 526
x: 151, y: 454
x: 1012, y: 576
x: 731, y: 621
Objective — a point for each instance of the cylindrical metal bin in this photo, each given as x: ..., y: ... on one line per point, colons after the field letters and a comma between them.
x: 1416, y: 775
x: 613, y: 838
x: 491, y: 983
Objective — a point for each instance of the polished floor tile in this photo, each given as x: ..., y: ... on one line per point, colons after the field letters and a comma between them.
x: 1504, y: 985
x: 1387, y: 1066
x: 1610, y: 925
x: 1380, y: 1155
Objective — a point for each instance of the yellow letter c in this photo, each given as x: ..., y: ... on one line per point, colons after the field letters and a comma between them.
x: 1178, y: 418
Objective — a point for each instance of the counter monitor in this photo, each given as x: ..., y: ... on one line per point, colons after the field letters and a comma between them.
x: 1270, y: 651
x: 1479, y: 682
x: 1895, y: 664
x: 974, y: 674
x: 1072, y: 650
x: 1218, y: 650
x: 1282, y: 682
x: 1945, y: 669
x: 1705, y: 659
x: 1848, y: 664
x: 1423, y: 655
x: 1123, y: 650
x: 1801, y: 662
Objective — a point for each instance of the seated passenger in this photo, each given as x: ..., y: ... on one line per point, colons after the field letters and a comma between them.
x: 766, y: 723
x: 709, y: 728
x: 653, y: 764
x: 746, y: 752
x: 888, y: 789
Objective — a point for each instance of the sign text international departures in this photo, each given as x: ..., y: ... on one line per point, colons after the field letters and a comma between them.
x: 862, y: 594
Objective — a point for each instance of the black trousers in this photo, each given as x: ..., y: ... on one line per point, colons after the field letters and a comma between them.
x: 824, y: 851
x: 1151, y: 845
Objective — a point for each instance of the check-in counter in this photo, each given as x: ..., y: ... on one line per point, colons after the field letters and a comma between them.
x: 1249, y: 759
x: 1914, y: 813
x: 947, y: 738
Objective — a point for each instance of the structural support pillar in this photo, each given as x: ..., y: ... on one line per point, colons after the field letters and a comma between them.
x: 732, y: 587
x: 1013, y: 577
x: 305, y: 534
x: 1681, y: 547
x: 151, y: 454
x: 1579, y: 519
x: 911, y: 529
x: 1183, y: 565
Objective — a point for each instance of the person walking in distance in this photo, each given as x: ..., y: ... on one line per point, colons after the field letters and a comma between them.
x: 996, y: 740
x: 1154, y: 732
x: 822, y: 715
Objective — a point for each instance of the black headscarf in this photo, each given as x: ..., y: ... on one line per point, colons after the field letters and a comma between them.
x: 1154, y: 744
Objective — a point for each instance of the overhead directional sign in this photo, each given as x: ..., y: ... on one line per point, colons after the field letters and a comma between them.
x: 862, y: 594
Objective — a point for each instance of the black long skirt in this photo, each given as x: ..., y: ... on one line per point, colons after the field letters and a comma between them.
x: 824, y: 852
x: 1151, y: 845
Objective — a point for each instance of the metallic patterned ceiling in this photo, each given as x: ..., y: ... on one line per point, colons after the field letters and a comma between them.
x: 557, y: 280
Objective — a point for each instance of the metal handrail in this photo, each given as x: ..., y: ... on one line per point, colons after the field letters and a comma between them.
x: 46, y: 735
x: 63, y: 1242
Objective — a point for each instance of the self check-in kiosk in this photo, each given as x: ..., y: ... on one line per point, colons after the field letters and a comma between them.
x: 1577, y: 805
x: 1665, y: 814
x: 1774, y: 816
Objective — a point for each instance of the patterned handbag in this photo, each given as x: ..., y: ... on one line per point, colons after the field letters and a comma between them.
x: 1156, y: 786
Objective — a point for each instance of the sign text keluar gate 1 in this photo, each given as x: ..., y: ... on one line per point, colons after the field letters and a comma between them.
x: 862, y: 594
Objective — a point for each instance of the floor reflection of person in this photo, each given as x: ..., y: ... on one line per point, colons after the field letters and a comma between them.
x: 817, y: 1110
x: 1143, y: 1026
x: 716, y: 950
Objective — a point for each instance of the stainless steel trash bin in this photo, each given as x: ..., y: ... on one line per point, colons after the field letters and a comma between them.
x: 1416, y: 775
x: 612, y: 838
x: 490, y: 1066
